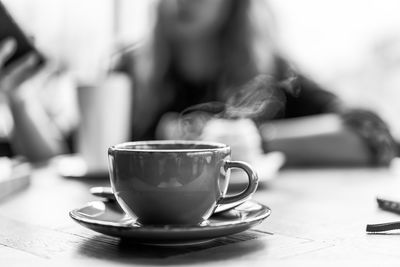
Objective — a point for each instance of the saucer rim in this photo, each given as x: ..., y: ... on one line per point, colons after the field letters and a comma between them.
x: 74, y: 214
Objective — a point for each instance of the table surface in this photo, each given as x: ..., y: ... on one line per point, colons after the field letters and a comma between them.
x: 318, y: 216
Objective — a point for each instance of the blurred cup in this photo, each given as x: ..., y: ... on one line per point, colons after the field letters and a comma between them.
x: 240, y: 134
x: 105, y: 111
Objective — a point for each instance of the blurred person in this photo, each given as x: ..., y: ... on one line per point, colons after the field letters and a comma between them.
x: 211, y: 70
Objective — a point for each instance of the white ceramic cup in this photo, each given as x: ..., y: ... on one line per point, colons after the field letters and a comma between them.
x: 105, y: 115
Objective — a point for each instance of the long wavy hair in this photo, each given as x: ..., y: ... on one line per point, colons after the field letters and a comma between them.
x: 247, y: 39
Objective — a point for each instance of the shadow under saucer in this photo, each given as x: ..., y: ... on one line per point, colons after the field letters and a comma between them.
x: 123, y: 250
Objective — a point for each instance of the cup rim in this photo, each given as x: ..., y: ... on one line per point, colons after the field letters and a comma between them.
x: 122, y: 146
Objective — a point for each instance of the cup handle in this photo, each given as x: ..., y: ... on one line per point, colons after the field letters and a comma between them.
x: 251, y: 187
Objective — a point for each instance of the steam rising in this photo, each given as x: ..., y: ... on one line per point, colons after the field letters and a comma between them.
x: 261, y: 98
x: 254, y: 98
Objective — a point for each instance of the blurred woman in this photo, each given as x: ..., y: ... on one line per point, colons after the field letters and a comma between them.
x: 211, y: 70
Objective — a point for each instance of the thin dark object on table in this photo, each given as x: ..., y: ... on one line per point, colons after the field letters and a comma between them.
x: 388, y: 205
x: 383, y: 227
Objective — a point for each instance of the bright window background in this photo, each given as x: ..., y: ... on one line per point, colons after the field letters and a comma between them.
x: 81, y: 33
x: 350, y: 46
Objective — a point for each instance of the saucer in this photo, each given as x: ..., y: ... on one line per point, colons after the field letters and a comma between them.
x: 109, y: 219
x: 74, y: 166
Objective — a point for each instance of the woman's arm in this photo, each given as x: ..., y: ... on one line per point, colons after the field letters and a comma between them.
x: 318, y: 129
x: 319, y: 140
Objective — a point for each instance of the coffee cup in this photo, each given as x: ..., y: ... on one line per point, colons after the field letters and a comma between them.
x: 174, y: 182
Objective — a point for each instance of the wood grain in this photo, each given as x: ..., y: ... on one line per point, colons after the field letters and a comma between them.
x: 318, y: 217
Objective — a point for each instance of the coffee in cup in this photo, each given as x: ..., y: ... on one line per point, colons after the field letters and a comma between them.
x: 174, y: 182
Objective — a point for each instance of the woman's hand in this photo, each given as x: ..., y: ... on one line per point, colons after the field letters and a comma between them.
x: 12, y: 76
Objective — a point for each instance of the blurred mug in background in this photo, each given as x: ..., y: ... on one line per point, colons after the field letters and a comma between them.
x: 104, y: 119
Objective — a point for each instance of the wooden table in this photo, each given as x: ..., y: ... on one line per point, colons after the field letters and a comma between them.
x: 318, y: 217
